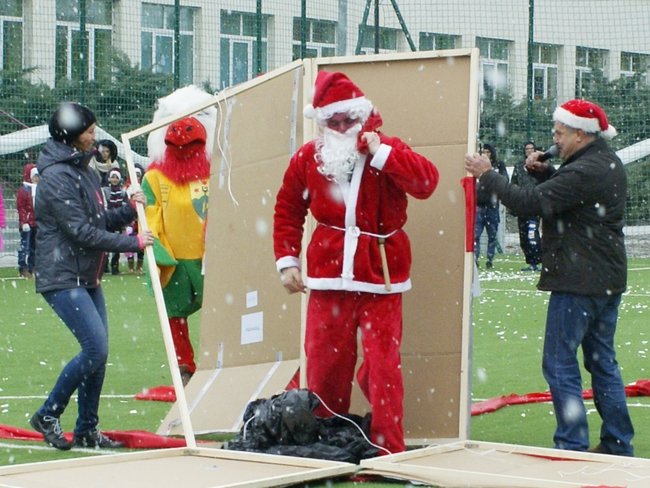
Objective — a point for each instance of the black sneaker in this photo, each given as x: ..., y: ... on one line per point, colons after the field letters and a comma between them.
x: 96, y: 439
x: 50, y: 427
x: 489, y: 265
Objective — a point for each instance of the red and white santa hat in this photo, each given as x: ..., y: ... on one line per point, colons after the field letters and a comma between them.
x: 335, y: 93
x: 585, y: 115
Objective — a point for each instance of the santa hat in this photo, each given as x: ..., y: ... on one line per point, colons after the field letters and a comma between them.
x: 584, y: 115
x: 33, y: 172
x: 114, y: 172
x: 336, y: 93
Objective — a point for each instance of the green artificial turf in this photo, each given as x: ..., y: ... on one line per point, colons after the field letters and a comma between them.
x: 508, y: 329
x: 509, y: 318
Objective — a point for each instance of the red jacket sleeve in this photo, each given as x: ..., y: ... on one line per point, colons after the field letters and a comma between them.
x: 24, y: 207
x: 411, y: 172
x: 291, y: 207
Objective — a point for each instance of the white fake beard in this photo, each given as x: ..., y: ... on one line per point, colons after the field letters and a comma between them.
x: 337, y: 153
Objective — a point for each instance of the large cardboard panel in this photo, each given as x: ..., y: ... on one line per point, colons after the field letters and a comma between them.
x: 428, y: 100
x: 433, y: 404
x: 430, y: 103
x: 172, y: 468
x: 247, y: 317
x: 489, y: 465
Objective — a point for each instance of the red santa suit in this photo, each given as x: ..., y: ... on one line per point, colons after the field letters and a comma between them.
x: 344, y: 264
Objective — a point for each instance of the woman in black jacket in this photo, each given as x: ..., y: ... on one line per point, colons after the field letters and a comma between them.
x: 75, y: 232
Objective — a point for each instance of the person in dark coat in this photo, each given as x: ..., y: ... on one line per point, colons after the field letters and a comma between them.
x: 528, y: 225
x: 487, y: 211
x: 584, y: 266
x: 74, y: 234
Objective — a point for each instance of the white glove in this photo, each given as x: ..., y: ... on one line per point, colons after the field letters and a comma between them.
x: 26, y: 228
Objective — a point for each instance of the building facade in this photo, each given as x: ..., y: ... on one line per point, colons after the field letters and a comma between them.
x: 229, y: 41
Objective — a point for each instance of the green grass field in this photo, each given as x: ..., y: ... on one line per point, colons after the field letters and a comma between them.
x: 507, y: 341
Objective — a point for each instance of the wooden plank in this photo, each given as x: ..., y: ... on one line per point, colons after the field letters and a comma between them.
x: 492, y: 465
x: 173, y: 468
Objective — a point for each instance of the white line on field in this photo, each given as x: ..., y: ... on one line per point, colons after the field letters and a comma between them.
x: 20, y: 445
x: 587, y: 402
x: 41, y: 397
x: 518, y: 290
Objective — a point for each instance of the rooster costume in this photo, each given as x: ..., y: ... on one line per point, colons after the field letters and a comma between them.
x: 350, y: 286
x: 176, y: 187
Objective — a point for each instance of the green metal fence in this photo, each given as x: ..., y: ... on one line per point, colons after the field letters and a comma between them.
x: 119, y: 56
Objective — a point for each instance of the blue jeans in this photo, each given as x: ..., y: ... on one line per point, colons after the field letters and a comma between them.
x: 529, y: 239
x: 488, y: 218
x: 26, y: 254
x: 590, y: 322
x: 83, y: 311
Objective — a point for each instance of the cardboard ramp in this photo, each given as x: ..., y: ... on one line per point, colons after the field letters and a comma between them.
x: 243, y: 385
x: 173, y: 468
x: 491, y: 465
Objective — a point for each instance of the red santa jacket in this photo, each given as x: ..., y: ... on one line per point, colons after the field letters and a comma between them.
x: 343, y: 253
x: 25, y: 199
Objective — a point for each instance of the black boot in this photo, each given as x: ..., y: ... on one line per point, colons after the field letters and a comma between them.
x: 95, y: 438
x: 50, y: 427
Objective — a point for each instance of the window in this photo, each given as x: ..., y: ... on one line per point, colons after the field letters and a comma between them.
x: 239, y: 60
x: 70, y: 42
x: 430, y: 41
x: 157, y: 35
x: 388, y: 39
x: 494, y: 65
x: 587, y: 60
x: 633, y: 64
x: 11, y: 35
x: 320, y: 38
x: 545, y: 71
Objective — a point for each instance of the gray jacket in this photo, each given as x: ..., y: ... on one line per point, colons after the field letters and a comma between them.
x: 74, y: 227
x: 582, y: 205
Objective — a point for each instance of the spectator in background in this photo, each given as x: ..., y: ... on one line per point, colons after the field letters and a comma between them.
x: 105, y: 160
x: 528, y: 225
x: 135, y: 266
x: 584, y: 266
x: 75, y: 231
x: 115, y: 196
x: 487, y: 211
x: 27, y: 221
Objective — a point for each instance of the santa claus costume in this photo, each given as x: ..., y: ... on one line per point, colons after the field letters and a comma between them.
x: 359, y: 257
x: 176, y: 185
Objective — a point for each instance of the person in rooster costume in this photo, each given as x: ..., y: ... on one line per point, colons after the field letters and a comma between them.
x: 176, y: 187
x: 355, y: 181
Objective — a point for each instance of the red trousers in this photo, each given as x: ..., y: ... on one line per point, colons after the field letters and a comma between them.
x: 182, y: 343
x: 334, y: 318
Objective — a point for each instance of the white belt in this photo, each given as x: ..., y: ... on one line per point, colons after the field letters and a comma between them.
x: 351, y: 241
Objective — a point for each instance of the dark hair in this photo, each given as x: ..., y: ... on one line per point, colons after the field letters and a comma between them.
x: 69, y: 121
x: 528, y: 143
x: 493, y: 152
x: 112, y: 148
